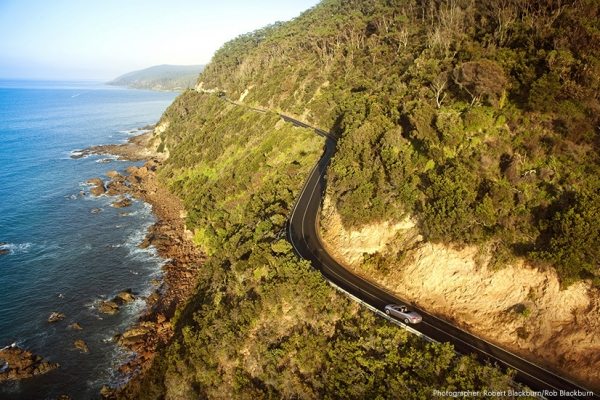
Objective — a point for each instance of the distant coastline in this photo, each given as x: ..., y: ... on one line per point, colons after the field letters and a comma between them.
x: 171, y: 78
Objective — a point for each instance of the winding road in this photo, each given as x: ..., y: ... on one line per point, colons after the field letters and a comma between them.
x: 303, y: 233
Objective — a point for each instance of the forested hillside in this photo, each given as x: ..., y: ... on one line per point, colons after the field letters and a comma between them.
x: 481, y: 118
x: 264, y: 324
x: 161, y: 77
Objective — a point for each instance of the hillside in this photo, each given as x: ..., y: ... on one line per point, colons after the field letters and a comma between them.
x: 160, y: 77
x: 479, y: 118
x: 474, y: 121
x: 263, y: 323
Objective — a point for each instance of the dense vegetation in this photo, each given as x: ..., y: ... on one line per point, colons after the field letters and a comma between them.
x: 264, y: 324
x: 481, y: 118
x: 161, y: 77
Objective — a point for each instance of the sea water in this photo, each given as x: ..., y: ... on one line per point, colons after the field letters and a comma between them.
x: 68, y: 251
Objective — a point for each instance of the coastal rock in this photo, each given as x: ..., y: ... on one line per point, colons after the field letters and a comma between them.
x: 116, y: 187
x: 56, y: 316
x: 98, y: 186
x: 75, y: 326
x: 113, y: 174
x: 126, y: 296
x: 153, y: 298
x: 4, y: 248
x: 108, y: 307
x: 17, y: 363
x: 81, y: 345
x: 122, y: 202
x: 96, y: 210
x: 135, y: 336
x: 107, y: 393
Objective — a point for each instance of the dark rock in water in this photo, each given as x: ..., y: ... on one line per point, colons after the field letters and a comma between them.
x: 4, y: 251
x: 81, y: 345
x: 77, y: 154
x: 75, y: 326
x: 105, y: 160
x: 56, y: 316
x: 108, y: 307
x: 4, y: 248
x: 98, y: 186
x: 96, y: 210
x: 122, y: 202
x: 126, y: 296
x: 17, y: 363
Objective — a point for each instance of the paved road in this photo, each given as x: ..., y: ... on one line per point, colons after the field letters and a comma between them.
x: 303, y: 234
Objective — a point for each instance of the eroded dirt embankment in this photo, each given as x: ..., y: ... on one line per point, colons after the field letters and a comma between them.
x: 519, y: 307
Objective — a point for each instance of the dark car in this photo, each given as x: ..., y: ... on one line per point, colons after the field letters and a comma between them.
x: 403, y: 313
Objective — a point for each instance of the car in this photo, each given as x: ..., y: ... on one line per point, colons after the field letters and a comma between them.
x: 403, y: 313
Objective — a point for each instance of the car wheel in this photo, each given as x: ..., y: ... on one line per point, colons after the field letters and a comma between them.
x: 387, y: 312
x: 406, y: 320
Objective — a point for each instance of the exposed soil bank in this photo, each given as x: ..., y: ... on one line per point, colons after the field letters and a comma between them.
x: 518, y: 307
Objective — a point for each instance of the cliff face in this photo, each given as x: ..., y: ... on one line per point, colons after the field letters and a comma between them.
x: 519, y: 307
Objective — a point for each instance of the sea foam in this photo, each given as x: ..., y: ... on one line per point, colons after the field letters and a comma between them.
x: 16, y: 248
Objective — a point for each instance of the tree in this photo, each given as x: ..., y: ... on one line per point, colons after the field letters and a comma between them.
x: 482, y: 80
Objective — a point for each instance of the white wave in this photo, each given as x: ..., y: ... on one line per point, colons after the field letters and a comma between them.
x: 16, y: 248
x: 105, y: 160
x: 78, y: 154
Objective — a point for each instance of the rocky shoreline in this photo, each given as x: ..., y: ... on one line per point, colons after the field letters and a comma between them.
x: 137, y: 148
x: 172, y: 241
x: 17, y: 363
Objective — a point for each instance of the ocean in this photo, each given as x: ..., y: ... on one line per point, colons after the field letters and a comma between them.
x: 68, y: 251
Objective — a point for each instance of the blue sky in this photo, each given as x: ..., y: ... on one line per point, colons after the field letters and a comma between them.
x: 101, y: 39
